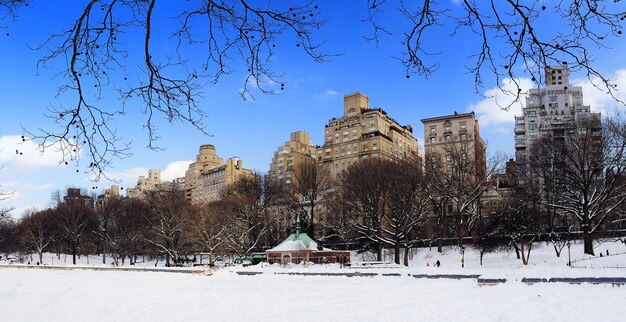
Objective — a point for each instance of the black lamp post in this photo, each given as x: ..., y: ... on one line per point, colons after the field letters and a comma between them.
x: 569, y: 255
x: 462, y: 256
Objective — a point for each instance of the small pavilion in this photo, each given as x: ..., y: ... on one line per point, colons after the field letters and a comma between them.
x: 300, y: 247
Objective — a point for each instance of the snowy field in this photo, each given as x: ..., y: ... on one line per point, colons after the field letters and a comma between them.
x: 83, y: 295
x: 42, y: 295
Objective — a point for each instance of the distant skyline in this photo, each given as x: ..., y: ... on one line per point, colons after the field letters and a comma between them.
x: 254, y: 129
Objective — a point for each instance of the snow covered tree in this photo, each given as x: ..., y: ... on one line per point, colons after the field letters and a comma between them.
x: 249, y: 200
x: 167, y: 222
x: 591, y: 158
x: 304, y: 196
x: 406, y: 205
x: 455, y: 184
x: 36, y: 232
x: 208, y: 226
x: 74, y: 221
x: 364, y: 192
x: 122, y: 224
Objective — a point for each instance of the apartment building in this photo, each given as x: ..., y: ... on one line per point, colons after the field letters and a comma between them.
x: 206, y: 178
x: 212, y: 183
x: 451, y: 137
x: 550, y: 111
x: 361, y: 133
x: 145, y: 184
x: 294, y: 153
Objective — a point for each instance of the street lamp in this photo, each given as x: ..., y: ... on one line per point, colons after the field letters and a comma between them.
x: 569, y: 255
x: 462, y: 256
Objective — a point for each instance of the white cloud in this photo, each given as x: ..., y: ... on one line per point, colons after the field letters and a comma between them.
x: 489, y: 111
x: 598, y: 98
x: 503, y: 130
x: 128, y: 177
x: 21, y: 157
x: 175, y: 170
x: 327, y: 94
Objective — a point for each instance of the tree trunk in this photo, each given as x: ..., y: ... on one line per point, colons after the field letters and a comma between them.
x: 588, y: 241
x: 41, y: 257
x: 516, y: 250
x: 524, y: 260
x: 482, y: 252
x: 104, y: 256
x: 74, y: 255
x: 396, y: 253
x: 406, y: 256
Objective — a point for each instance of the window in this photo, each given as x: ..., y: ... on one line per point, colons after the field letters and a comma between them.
x: 433, y: 131
x: 433, y: 140
x: 463, y: 136
x: 448, y: 128
x: 463, y: 126
x: 447, y: 138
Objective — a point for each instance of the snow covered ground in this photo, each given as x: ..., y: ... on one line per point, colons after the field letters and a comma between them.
x: 83, y: 295
x: 44, y: 295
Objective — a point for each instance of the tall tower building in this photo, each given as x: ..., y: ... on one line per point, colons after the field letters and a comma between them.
x: 361, y: 133
x: 295, y: 152
x: 145, y: 184
x: 206, y: 159
x: 455, y: 136
x: 550, y: 111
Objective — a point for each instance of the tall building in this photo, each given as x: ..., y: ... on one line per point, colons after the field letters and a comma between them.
x: 75, y: 197
x: 361, y: 133
x: 206, y: 159
x: 294, y: 153
x: 455, y: 136
x: 206, y: 179
x: 145, y: 184
x: 550, y: 111
x: 214, y: 181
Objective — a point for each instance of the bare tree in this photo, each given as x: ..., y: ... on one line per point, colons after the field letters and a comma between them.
x: 336, y: 221
x: 94, y: 50
x: 74, y: 221
x: 4, y: 213
x: 509, y: 34
x: 364, y: 192
x: 167, y: 222
x: 305, y: 195
x: 35, y: 230
x: 590, y: 157
x: 208, y: 227
x: 517, y: 223
x: 456, y: 182
x: 249, y: 200
x: 406, y: 203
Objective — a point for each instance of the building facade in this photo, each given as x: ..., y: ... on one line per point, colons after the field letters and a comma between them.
x: 362, y: 133
x: 450, y: 137
x: 206, y: 159
x: 293, y: 154
x: 145, y: 184
x: 206, y: 179
x: 213, y: 182
x: 550, y: 111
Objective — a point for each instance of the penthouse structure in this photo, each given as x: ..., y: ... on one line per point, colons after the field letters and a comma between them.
x: 206, y: 179
x: 364, y: 133
x: 295, y: 153
x: 451, y: 137
x: 550, y: 111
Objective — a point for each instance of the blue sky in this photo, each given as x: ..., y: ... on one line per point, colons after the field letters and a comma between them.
x: 251, y: 129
